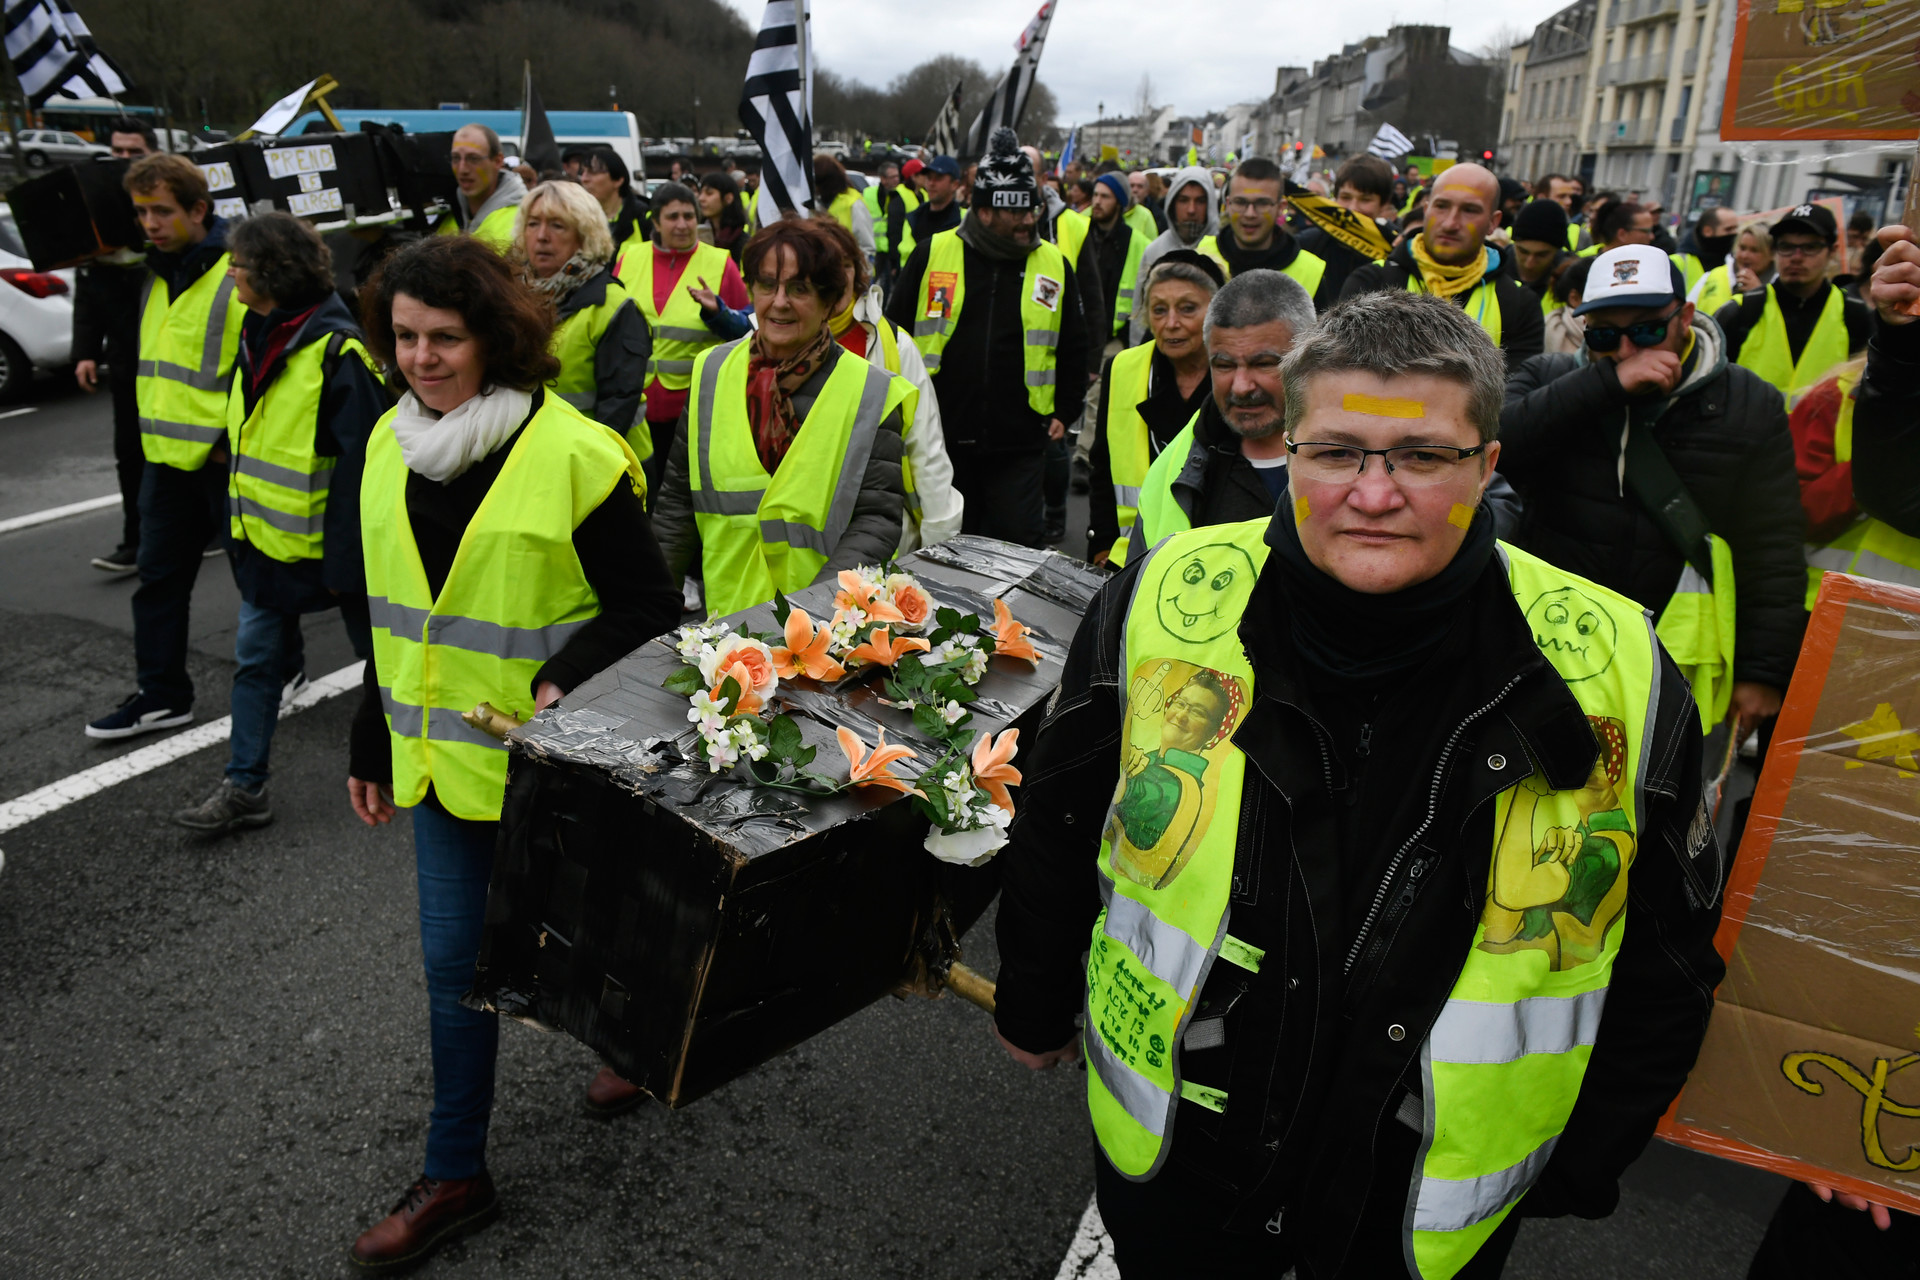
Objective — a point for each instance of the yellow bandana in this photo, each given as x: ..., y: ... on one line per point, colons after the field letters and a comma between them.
x: 1445, y: 281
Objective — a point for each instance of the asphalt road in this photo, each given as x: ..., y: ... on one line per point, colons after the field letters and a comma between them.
x: 213, y: 1054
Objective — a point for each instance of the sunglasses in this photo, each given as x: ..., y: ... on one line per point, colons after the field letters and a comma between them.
x: 1645, y: 333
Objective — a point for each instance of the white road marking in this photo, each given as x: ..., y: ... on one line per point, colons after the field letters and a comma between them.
x: 58, y: 795
x: 1090, y: 1256
x: 15, y: 413
x: 58, y: 513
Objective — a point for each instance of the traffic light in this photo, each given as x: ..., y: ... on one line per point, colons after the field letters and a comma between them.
x: 1486, y: 155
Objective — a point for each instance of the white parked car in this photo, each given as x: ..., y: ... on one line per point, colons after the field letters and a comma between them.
x: 41, y: 147
x: 36, y: 314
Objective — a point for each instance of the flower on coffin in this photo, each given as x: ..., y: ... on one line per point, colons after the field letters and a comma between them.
x: 991, y: 771
x: 1010, y: 637
x: 867, y: 595
x: 807, y: 651
x: 866, y: 769
x: 910, y: 600
x: 757, y: 675
x: 882, y: 650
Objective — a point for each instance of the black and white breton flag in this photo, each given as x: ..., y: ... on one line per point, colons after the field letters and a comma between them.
x: 1009, y: 98
x: 945, y: 134
x: 53, y: 52
x: 773, y: 106
x: 1389, y: 143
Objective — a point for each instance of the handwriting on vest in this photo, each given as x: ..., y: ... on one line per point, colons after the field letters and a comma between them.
x: 1124, y: 1009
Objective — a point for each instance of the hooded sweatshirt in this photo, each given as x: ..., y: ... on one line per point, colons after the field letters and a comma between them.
x: 1170, y: 239
x: 507, y: 190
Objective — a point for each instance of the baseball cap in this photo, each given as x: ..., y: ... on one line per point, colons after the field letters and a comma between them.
x: 912, y: 167
x: 944, y: 164
x: 1634, y: 275
x: 1811, y: 220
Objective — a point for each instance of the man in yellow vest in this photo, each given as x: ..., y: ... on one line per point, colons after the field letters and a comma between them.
x: 889, y: 202
x: 1254, y: 235
x: 1451, y: 259
x: 1538, y: 234
x: 189, y: 331
x: 1794, y: 331
x: 1708, y: 245
x: 1406, y: 890
x: 490, y: 192
x: 995, y: 311
x: 1651, y: 464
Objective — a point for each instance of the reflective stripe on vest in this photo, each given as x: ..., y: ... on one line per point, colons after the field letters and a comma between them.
x: 187, y: 346
x: 943, y: 291
x: 680, y: 333
x: 1768, y: 353
x: 761, y: 533
x: 1503, y: 1063
x: 1867, y: 548
x: 886, y: 355
x: 1129, y: 281
x: 1129, y: 443
x: 486, y: 634
x: 1159, y: 514
x: 1483, y: 304
x: 1697, y: 626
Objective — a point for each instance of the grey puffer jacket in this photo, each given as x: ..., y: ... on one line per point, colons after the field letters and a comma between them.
x: 872, y: 534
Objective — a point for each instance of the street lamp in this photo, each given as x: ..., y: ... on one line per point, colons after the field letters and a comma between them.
x: 1099, y: 129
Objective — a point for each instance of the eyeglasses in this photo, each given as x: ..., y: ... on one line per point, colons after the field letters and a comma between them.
x: 1240, y: 204
x: 1412, y: 465
x: 1799, y: 250
x: 1645, y: 333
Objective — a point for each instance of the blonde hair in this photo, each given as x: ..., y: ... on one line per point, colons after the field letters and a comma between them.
x: 1761, y: 233
x: 578, y: 209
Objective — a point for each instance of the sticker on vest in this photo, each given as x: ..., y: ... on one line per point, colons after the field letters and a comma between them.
x: 1202, y: 594
x: 1179, y: 719
x: 1575, y: 631
x: 941, y: 286
x: 1046, y: 292
x: 1560, y: 863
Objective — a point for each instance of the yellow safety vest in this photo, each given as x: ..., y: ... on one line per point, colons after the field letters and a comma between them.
x: 841, y: 210
x: 888, y: 337
x: 1129, y: 443
x: 1691, y: 268
x: 515, y: 595
x: 909, y: 201
x: 576, y: 341
x: 1716, y: 291
x: 1767, y: 353
x: 1868, y: 548
x: 1159, y: 515
x: 760, y: 533
x: 1483, y: 304
x: 680, y: 331
x: 1307, y: 268
x: 495, y: 230
x: 943, y: 291
x: 1070, y: 234
x: 1140, y: 218
x: 1505, y: 1059
x: 187, y: 346
x: 277, y: 485
x: 1697, y: 626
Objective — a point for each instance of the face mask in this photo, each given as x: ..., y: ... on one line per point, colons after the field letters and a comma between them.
x: 1713, y: 249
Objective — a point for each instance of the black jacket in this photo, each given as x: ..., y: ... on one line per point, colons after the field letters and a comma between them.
x: 1886, y: 429
x: 1522, y: 328
x: 1737, y: 318
x: 1277, y: 256
x: 982, y: 382
x: 106, y: 314
x: 1341, y: 259
x: 1363, y: 880
x: 1725, y: 431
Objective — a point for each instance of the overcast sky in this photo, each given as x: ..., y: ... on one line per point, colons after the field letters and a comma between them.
x: 1201, y: 54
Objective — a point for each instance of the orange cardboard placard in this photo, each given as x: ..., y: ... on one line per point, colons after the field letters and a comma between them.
x: 1823, y: 69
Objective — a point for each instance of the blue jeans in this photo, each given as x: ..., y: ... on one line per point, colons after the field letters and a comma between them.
x: 270, y: 650
x: 454, y: 859
x: 180, y: 513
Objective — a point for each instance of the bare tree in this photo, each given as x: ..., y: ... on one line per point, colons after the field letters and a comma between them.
x: 1143, y: 97
x: 1500, y: 41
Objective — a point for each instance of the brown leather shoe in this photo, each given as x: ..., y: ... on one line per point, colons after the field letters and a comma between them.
x: 609, y: 1095
x: 430, y: 1214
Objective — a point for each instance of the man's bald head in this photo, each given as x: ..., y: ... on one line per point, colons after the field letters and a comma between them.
x: 1463, y: 206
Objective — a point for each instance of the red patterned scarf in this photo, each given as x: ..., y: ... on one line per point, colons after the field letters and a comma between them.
x: 770, y: 386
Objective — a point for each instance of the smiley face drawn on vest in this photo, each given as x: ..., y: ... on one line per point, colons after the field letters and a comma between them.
x: 1575, y: 631
x: 1203, y: 593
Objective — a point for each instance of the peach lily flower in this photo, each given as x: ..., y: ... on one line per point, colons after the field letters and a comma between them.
x: 991, y: 772
x: 864, y: 770
x: 806, y: 650
x: 879, y: 648
x: 855, y: 593
x: 750, y: 702
x: 1010, y: 637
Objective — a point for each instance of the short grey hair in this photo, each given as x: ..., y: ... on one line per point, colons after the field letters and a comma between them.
x: 1185, y: 271
x: 1260, y: 297
x: 1394, y: 333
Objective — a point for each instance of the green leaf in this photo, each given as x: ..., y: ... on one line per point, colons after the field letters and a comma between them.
x: 729, y: 695
x: 929, y: 721
x: 948, y: 618
x: 804, y: 756
x: 685, y: 681
x: 783, y: 738
x: 780, y: 607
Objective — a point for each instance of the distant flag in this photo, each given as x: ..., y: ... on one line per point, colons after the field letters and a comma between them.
x: 1070, y: 150
x: 537, y: 145
x: 283, y: 113
x: 944, y: 138
x: 1389, y: 143
x: 1008, y: 100
x: 53, y: 52
x: 773, y: 107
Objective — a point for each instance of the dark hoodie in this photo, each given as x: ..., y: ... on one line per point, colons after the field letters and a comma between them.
x: 178, y: 271
x: 351, y: 402
x: 1277, y: 256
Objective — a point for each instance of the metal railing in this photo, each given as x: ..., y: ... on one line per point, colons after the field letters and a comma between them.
x: 1640, y: 70
x: 1690, y: 61
x: 1629, y: 133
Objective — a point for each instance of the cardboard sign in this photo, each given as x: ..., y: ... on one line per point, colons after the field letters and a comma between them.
x: 1811, y: 1065
x: 940, y: 290
x: 1819, y: 69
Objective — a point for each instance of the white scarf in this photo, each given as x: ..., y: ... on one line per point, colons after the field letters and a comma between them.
x: 442, y: 445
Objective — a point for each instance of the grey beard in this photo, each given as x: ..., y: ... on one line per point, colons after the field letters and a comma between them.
x: 1256, y: 433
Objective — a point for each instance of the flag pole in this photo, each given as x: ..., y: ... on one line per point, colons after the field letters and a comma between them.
x: 804, y: 20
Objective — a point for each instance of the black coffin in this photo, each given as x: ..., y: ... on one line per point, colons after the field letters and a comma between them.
x: 688, y: 926
x: 74, y: 213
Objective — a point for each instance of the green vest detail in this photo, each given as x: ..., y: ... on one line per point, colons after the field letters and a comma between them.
x: 841, y: 210
x: 1691, y: 268
x: 1767, y: 353
x: 1129, y: 281
x: 889, y: 338
x: 277, y: 485
x: 943, y: 292
x: 1070, y: 234
x: 1158, y: 514
x: 680, y: 331
x: 1129, y: 444
x: 1697, y: 626
x: 760, y: 533
x: 1140, y: 218
x: 576, y: 341
x: 1573, y: 237
x: 1483, y: 304
x: 882, y: 242
x: 495, y: 230
x: 1716, y: 292
x: 1306, y: 267
x: 187, y: 346
x: 1867, y: 548
x: 515, y: 595
x: 1503, y: 1063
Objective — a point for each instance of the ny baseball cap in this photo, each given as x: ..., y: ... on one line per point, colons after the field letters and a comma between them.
x: 1634, y: 275
x: 944, y: 164
x: 1811, y: 220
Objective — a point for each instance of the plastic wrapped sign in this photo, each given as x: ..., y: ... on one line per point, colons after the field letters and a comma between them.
x: 1819, y: 69
x: 224, y: 183
x: 326, y: 177
x: 1811, y: 1065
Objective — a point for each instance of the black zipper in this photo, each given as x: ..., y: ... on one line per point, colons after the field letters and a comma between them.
x: 1433, y: 804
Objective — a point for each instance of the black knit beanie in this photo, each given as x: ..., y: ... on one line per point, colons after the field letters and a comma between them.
x: 1004, y: 179
x: 1542, y: 220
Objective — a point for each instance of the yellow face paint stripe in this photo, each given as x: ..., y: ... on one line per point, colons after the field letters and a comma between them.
x: 1383, y: 407
x: 1301, y: 511
x: 1461, y: 516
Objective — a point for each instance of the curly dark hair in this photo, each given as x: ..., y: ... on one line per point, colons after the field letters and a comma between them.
x: 849, y: 251
x: 284, y: 259
x: 459, y: 273
x: 816, y: 258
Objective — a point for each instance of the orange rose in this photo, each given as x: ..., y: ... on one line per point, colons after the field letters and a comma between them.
x: 914, y: 606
